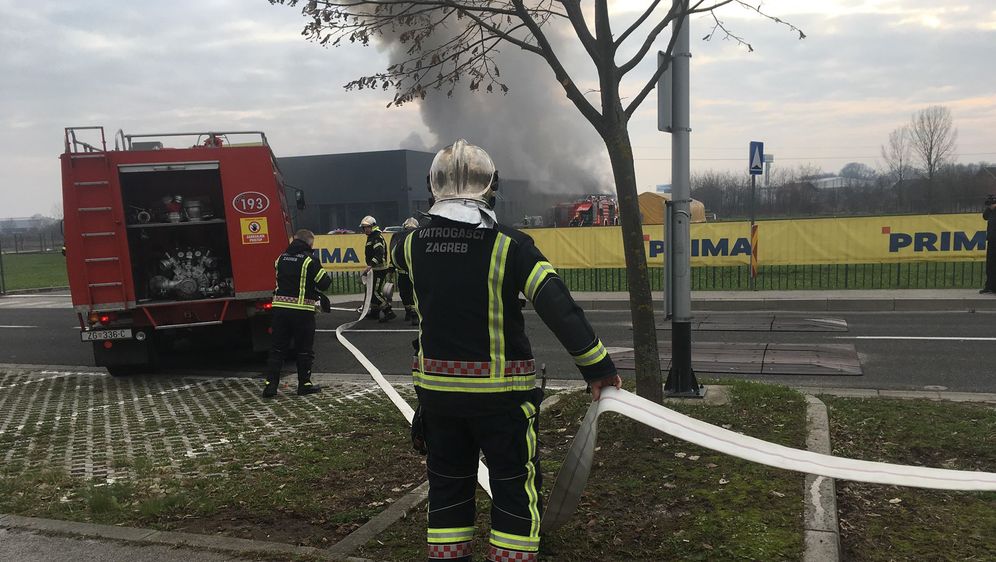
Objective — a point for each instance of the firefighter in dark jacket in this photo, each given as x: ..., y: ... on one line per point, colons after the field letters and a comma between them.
x: 300, y: 280
x: 989, y: 214
x: 375, y: 254
x: 473, y: 368
x: 403, y: 283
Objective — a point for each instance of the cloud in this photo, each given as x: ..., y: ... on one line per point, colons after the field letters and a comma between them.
x: 235, y: 64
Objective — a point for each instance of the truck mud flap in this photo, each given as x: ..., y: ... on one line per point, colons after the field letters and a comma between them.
x: 120, y: 353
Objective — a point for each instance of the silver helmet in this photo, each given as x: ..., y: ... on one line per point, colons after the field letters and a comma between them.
x: 463, y: 171
x: 368, y: 221
x: 410, y: 222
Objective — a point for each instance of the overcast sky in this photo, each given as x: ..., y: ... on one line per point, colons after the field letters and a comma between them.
x: 148, y: 66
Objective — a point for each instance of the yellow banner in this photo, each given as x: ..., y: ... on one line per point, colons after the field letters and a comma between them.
x: 779, y: 242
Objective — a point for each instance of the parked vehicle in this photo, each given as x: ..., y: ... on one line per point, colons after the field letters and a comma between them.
x: 164, y: 243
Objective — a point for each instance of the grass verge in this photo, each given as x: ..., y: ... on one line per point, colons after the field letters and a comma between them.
x: 32, y: 271
x: 653, y: 497
x: 884, y: 523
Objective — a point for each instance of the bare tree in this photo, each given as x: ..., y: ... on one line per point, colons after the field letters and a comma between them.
x: 897, y: 155
x: 452, y: 40
x: 933, y: 137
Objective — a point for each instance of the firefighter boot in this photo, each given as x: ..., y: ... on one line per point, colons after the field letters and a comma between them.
x: 270, y: 390
x: 304, y: 384
x: 388, y: 316
x: 273, y: 364
x: 307, y: 387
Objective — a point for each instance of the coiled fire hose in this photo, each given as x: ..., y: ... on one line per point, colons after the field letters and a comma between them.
x: 573, y: 474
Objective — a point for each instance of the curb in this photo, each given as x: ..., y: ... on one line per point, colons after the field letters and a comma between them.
x: 938, y: 395
x: 783, y: 304
x: 821, y: 533
x: 169, y: 538
x: 36, y: 290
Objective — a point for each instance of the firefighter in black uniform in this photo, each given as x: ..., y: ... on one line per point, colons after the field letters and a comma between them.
x: 473, y: 368
x: 375, y: 254
x: 404, y: 284
x: 989, y: 214
x: 300, y: 280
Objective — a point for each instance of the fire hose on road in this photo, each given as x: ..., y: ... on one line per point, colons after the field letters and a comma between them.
x: 573, y: 474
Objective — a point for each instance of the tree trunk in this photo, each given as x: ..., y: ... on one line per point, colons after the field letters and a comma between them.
x: 645, y: 353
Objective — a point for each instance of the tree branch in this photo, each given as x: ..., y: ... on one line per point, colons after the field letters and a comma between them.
x: 649, y: 86
x: 573, y: 93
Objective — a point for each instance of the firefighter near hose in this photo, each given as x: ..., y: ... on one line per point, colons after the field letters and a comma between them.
x: 375, y: 253
x: 473, y: 368
x: 300, y: 282
x: 403, y: 283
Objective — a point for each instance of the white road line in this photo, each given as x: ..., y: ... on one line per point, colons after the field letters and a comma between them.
x: 831, y: 321
x: 932, y: 338
x: 17, y: 327
x: 369, y: 331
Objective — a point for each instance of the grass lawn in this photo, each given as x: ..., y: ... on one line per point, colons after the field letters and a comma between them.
x: 32, y: 271
x: 653, y: 497
x: 882, y: 523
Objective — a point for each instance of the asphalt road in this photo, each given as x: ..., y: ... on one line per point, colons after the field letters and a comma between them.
x: 897, y: 350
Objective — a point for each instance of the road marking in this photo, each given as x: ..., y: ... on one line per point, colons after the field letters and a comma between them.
x: 934, y: 338
x: 369, y: 331
x: 839, y: 322
x: 17, y: 327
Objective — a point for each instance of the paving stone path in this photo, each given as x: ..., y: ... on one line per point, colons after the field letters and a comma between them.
x: 95, y: 426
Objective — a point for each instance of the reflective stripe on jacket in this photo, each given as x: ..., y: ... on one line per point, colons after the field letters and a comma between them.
x: 300, y: 278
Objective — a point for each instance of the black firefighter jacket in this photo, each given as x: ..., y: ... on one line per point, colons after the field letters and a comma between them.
x: 472, y: 355
x: 300, y: 278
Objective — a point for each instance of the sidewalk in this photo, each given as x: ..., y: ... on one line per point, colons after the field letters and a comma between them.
x: 883, y: 300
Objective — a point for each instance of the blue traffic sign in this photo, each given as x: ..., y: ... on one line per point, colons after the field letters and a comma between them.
x: 756, y: 158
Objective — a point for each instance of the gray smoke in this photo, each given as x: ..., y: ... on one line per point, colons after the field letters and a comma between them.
x: 533, y: 133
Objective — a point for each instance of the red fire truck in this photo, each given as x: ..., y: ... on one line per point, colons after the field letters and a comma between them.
x: 593, y: 210
x: 164, y: 243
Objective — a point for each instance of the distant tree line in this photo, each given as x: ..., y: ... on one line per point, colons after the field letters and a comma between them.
x: 917, y: 176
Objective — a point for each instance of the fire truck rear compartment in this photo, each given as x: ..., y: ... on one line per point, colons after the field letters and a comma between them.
x: 177, y: 238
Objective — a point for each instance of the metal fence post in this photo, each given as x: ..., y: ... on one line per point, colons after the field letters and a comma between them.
x: 3, y: 274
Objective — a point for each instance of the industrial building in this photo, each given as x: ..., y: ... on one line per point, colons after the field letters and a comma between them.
x: 340, y: 189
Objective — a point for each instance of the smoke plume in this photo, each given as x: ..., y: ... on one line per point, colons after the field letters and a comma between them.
x: 533, y: 132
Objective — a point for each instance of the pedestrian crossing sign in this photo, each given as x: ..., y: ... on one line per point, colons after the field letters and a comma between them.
x: 756, y: 158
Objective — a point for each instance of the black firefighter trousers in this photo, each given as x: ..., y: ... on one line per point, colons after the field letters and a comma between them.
x: 509, y: 443
x: 991, y: 263
x: 297, y: 326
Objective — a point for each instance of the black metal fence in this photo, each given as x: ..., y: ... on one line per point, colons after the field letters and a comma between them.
x: 913, y: 275
x: 30, y: 242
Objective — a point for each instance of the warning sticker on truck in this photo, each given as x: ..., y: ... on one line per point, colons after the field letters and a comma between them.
x: 255, y: 231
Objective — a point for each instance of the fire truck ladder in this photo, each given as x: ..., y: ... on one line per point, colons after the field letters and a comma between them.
x: 95, y: 203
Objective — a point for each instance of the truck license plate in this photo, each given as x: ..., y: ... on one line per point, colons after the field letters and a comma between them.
x: 100, y: 335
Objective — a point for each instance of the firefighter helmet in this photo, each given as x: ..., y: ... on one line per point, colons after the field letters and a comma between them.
x: 368, y: 221
x: 463, y: 171
x: 410, y: 223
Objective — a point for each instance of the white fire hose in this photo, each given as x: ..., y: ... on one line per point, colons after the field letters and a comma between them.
x: 573, y: 475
